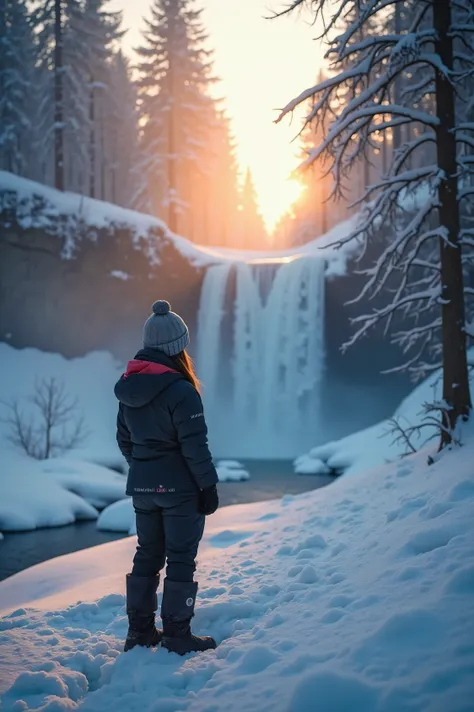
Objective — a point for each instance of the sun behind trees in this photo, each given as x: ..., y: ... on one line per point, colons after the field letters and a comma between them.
x: 406, y: 66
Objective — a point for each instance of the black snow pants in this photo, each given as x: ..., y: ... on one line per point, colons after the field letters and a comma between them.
x: 169, y: 528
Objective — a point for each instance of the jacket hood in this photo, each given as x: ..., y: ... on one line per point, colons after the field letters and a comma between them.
x: 144, y: 380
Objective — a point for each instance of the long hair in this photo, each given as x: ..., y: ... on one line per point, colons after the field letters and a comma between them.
x: 184, y: 364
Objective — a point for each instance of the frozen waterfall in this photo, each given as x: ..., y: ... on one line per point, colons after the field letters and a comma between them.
x: 260, y: 355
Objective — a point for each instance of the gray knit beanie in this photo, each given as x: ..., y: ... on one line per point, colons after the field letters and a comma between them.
x: 165, y: 330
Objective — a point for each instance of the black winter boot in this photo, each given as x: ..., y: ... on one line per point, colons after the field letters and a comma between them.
x: 141, y: 607
x: 176, y: 612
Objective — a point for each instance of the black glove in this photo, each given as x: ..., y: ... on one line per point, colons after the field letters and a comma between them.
x: 208, y: 500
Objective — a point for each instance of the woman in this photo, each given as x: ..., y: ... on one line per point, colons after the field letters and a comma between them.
x: 162, y: 434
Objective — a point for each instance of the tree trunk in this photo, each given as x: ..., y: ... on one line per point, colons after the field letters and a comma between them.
x: 384, y: 154
x: 104, y: 151
x: 172, y: 189
x: 455, y: 372
x: 4, y: 156
x: 397, y: 130
x: 324, y: 209
x: 58, y: 99
x: 92, y: 146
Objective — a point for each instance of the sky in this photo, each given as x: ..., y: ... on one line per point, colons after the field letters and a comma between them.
x: 262, y: 64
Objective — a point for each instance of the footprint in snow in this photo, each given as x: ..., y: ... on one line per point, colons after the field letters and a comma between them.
x: 425, y: 541
x: 404, y: 471
x: 435, y: 510
x: 316, y: 541
x: 463, y: 490
x: 294, y: 571
x: 336, y: 578
x: 340, y: 601
x: 305, y: 554
x: 462, y: 582
x: 268, y: 517
x: 228, y: 537
x: 308, y: 575
x: 338, y: 549
x: 333, y: 616
x: 335, y: 690
x: 256, y: 660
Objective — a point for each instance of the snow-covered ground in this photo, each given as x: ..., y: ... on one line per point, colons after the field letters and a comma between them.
x: 358, y: 597
x: 380, y: 443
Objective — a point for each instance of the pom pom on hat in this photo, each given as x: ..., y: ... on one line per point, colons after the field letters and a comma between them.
x: 161, y: 307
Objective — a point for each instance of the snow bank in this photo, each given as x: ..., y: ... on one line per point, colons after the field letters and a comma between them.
x: 99, y: 214
x: 357, y: 597
x: 96, y: 484
x: 51, y: 493
x: 375, y: 445
x: 29, y: 500
x: 94, y: 213
x: 58, y: 491
x: 231, y: 471
x: 118, y: 517
x: 322, y: 246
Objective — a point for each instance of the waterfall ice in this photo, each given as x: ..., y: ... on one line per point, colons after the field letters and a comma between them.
x: 261, y: 355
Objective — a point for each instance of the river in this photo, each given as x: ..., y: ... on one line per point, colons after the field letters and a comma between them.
x: 270, y: 479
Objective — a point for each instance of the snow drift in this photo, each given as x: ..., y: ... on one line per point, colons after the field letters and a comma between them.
x: 378, y: 444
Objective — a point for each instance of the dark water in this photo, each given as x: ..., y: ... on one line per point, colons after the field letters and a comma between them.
x: 269, y: 480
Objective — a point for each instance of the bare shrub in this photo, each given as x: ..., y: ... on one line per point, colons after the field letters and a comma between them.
x: 55, y: 426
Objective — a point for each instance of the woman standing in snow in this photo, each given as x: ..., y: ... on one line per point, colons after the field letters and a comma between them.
x: 162, y: 434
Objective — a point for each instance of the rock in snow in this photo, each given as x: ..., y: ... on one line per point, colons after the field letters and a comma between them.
x: 358, y: 597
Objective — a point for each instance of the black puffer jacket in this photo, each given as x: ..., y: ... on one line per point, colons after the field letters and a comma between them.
x: 161, y: 429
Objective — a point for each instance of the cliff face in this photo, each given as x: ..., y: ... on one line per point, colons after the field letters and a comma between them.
x: 74, y: 283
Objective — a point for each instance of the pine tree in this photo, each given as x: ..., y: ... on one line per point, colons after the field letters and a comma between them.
x: 75, y: 41
x: 96, y: 31
x: 17, y: 80
x: 252, y: 228
x: 119, y: 136
x: 213, y: 198
x: 419, y: 272
x: 176, y: 111
x: 223, y: 189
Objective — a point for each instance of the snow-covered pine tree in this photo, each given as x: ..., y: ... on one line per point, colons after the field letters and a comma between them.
x: 420, y: 269
x: 120, y: 157
x: 175, y: 71
x: 95, y: 32
x: 213, y: 188
x: 17, y: 81
x: 223, y: 185
x: 73, y: 58
x: 252, y: 229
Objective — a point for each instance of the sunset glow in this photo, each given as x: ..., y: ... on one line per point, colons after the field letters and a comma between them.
x: 261, y: 63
